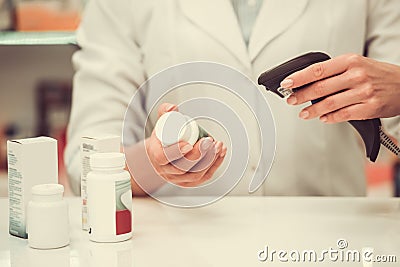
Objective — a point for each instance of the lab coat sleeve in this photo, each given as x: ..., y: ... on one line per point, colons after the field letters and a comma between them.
x: 108, y: 71
x: 383, y: 42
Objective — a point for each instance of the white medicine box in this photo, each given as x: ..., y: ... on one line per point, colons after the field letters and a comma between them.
x: 89, y: 146
x: 31, y: 161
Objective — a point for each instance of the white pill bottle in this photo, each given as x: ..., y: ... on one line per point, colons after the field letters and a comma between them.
x: 48, y: 218
x: 174, y: 126
x: 109, y: 198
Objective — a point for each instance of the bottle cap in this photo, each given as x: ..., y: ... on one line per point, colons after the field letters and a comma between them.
x: 107, y: 160
x: 173, y: 127
x: 169, y: 128
x: 47, y: 189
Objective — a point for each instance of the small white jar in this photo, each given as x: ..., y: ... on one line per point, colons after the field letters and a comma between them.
x: 173, y: 127
x: 47, y: 218
x: 109, y: 198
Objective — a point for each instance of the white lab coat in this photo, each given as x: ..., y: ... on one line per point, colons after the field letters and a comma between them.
x: 124, y: 42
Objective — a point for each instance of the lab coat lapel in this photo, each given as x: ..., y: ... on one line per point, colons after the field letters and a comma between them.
x: 218, y: 19
x: 275, y: 17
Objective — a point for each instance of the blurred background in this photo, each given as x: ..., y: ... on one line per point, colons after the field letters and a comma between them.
x: 37, y: 40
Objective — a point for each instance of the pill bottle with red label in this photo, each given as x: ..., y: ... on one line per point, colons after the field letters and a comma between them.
x: 109, y: 198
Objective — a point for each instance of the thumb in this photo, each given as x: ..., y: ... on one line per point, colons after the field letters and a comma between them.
x: 166, y: 107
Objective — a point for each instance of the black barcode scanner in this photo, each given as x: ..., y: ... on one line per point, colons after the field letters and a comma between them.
x: 370, y: 130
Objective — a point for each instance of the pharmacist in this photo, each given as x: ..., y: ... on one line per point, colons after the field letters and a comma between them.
x: 123, y: 43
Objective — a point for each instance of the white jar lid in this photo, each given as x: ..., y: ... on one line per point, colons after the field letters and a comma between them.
x: 107, y: 160
x: 48, y: 189
x: 173, y: 127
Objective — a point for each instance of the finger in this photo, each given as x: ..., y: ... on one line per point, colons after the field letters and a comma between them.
x: 166, y: 107
x: 170, y: 169
x: 353, y: 112
x: 208, y: 159
x: 164, y: 155
x: 223, y: 153
x: 319, y: 89
x: 177, y: 179
x: 190, y: 177
x: 199, y: 151
x: 208, y: 174
x: 179, y: 169
x: 332, y: 103
x: 176, y: 151
x: 316, y: 72
x: 199, y: 148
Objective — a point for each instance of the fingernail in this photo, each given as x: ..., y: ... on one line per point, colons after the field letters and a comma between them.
x: 206, y: 143
x: 304, y: 114
x: 186, y: 148
x: 170, y: 108
x: 223, y: 152
x: 287, y: 83
x: 292, y: 100
x: 323, y: 119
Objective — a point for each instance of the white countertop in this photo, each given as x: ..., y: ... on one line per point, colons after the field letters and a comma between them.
x: 230, y: 232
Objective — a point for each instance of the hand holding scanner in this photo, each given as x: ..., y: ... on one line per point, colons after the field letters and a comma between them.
x: 370, y: 130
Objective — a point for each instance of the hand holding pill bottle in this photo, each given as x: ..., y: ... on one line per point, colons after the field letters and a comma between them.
x: 181, y: 151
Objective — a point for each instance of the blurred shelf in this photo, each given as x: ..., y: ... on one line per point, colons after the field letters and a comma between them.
x: 37, y: 38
